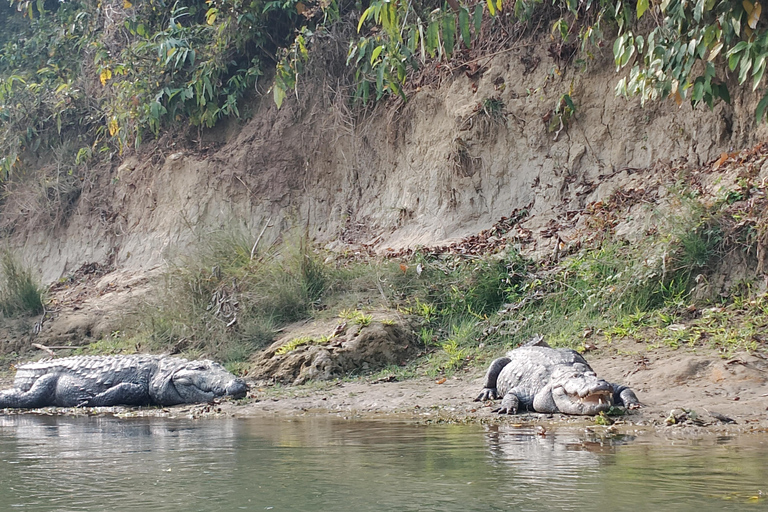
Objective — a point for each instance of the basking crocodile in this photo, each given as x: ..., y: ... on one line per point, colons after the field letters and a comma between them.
x: 539, y: 378
x: 92, y: 381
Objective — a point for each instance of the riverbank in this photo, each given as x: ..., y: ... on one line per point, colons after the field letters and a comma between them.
x: 683, y: 391
x: 679, y: 389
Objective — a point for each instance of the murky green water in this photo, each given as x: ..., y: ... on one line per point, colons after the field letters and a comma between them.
x: 328, y: 464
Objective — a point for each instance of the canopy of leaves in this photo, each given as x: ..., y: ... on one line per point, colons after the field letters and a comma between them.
x: 683, y: 49
x: 117, y: 71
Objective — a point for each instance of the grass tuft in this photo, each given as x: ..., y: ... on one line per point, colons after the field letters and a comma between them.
x: 223, y: 302
x: 20, y: 294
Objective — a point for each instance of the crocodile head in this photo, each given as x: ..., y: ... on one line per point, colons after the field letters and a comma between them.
x: 195, y: 382
x: 576, y: 389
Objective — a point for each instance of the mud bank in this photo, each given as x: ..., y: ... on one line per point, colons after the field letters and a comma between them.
x: 683, y: 392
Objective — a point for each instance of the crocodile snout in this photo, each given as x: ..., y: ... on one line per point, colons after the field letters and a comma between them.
x: 237, y: 388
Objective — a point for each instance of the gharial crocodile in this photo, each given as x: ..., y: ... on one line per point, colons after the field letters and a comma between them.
x: 93, y: 381
x: 536, y: 377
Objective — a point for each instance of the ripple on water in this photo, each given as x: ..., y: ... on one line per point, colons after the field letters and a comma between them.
x: 324, y: 463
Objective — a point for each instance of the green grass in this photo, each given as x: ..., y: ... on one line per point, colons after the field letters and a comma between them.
x: 20, y: 293
x: 222, y: 302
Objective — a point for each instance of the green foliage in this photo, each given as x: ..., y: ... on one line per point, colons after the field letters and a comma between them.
x: 222, y: 301
x: 680, y: 56
x: 615, y: 286
x: 411, y: 34
x: 119, y: 72
x: 20, y: 294
x: 41, y: 90
x: 356, y: 317
x: 293, y: 345
x: 191, y: 61
x: 300, y: 342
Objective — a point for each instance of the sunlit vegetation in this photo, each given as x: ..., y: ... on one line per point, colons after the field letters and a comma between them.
x: 109, y: 75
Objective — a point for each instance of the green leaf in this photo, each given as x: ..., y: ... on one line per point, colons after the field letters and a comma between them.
x: 279, y: 95
x: 618, y: 50
x: 464, y: 27
x: 722, y: 92
x: 364, y: 17
x: 449, y: 35
x: 380, y: 81
x: 745, y: 66
x: 433, y: 38
x: 642, y: 6
x: 715, y: 51
x: 758, y: 71
x: 734, y: 54
x: 698, y: 90
x: 760, y: 111
x: 376, y: 53
x: 477, y: 19
x: 491, y: 7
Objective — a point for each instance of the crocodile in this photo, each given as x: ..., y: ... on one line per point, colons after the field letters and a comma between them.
x: 94, y: 381
x: 538, y: 378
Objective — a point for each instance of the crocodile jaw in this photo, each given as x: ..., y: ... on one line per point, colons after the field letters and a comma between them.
x: 583, y: 394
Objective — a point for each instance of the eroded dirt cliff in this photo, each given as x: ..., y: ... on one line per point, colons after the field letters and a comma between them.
x: 460, y: 154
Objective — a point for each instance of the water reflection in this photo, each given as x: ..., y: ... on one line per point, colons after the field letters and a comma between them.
x: 324, y: 463
x: 53, y: 463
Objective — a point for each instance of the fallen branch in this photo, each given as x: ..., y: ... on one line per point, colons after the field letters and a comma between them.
x: 51, y: 349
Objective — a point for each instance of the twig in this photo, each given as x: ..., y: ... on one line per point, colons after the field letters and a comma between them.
x: 258, y: 239
x: 39, y: 325
x: 44, y: 348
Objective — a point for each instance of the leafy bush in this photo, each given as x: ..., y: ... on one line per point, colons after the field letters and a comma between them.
x: 119, y: 71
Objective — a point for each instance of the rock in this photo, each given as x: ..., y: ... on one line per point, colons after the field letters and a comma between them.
x: 370, y: 347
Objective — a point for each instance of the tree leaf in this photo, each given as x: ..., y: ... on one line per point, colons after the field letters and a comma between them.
x: 745, y: 66
x: 433, y: 38
x: 715, y: 51
x: 491, y: 7
x: 449, y: 34
x: 364, y: 17
x: 376, y: 53
x: 478, y: 19
x: 380, y: 81
x: 464, y: 27
x: 760, y: 110
x: 642, y: 6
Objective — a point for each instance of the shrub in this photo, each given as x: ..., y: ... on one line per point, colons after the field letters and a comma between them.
x: 19, y: 292
x: 223, y: 302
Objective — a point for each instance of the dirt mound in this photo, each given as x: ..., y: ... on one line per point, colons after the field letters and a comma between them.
x: 348, y: 347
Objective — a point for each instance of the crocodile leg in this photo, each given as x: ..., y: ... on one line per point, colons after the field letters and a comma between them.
x: 509, y: 404
x: 122, y: 394
x: 489, y: 391
x: 41, y: 394
x: 622, y: 395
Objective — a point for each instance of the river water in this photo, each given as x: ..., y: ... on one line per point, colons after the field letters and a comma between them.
x: 50, y: 463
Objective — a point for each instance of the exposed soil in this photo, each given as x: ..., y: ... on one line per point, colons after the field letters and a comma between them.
x: 667, y: 382
x: 422, y: 174
x: 699, y: 389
